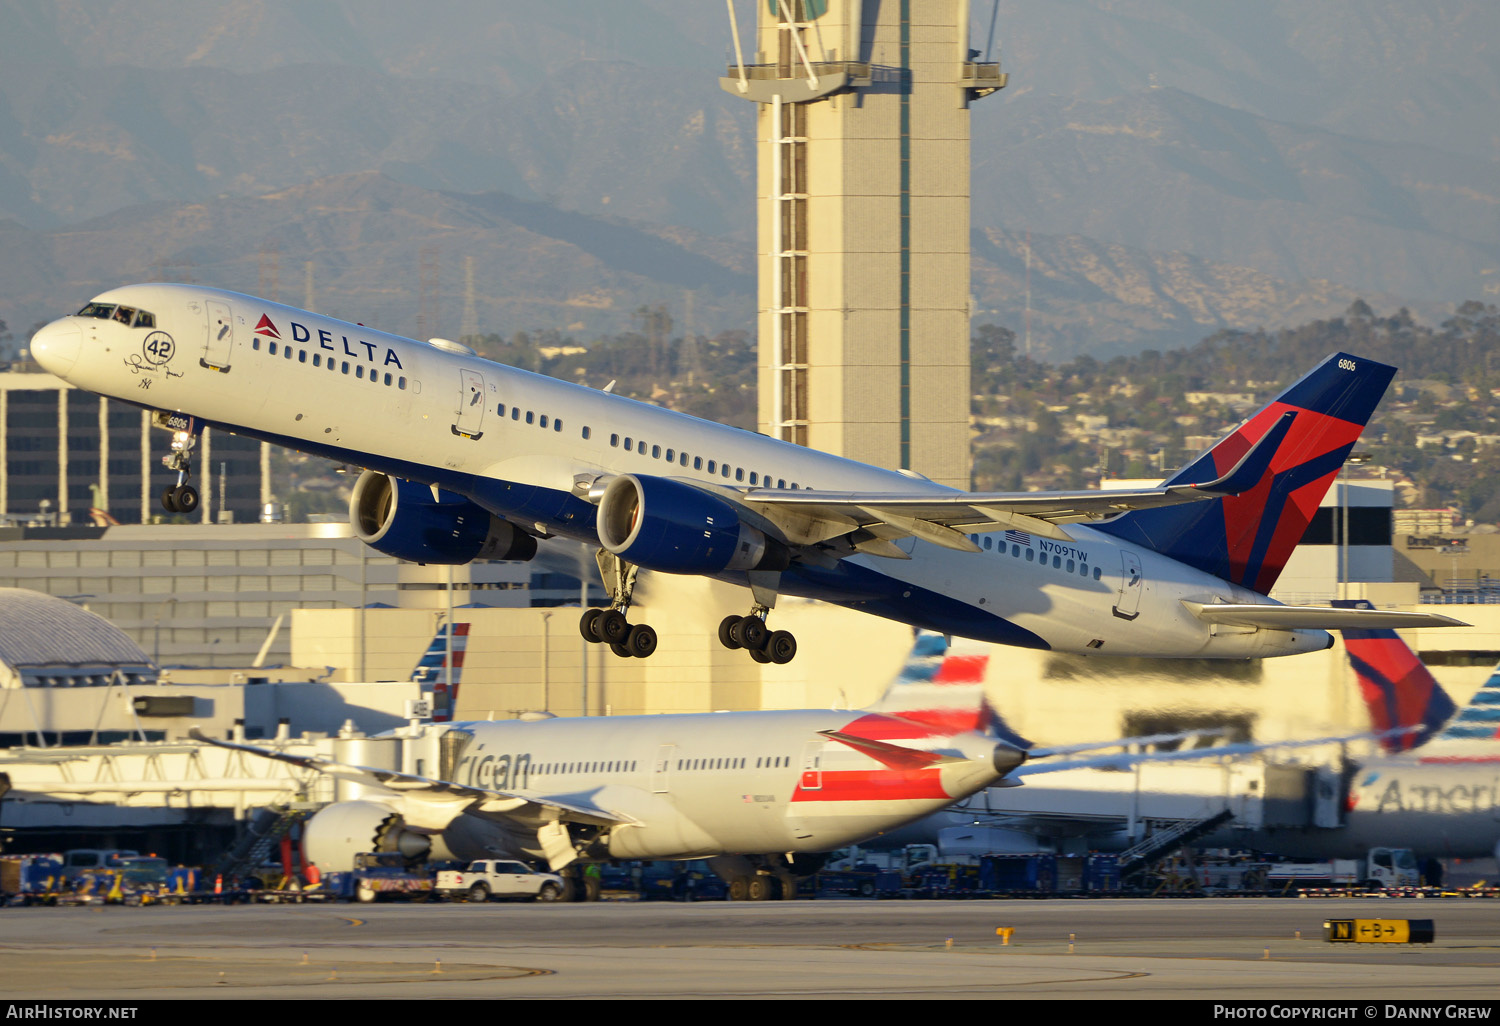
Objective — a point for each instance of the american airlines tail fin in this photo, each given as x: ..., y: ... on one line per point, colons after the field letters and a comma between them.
x: 944, y: 689
x: 1247, y: 538
x: 1399, y: 691
x: 433, y: 669
x: 1477, y: 725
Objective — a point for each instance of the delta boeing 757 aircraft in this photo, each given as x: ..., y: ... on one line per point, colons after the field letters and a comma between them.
x: 468, y: 459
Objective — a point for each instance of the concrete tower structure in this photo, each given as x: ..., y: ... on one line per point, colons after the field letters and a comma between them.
x: 863, y: 212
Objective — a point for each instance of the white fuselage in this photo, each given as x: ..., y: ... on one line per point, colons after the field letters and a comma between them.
x: 519, y: 443
x: 711, y: 784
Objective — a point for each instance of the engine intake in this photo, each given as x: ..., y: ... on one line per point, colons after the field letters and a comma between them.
x: 402, y: 519
x: 665, y: 525
x: 343, y: 830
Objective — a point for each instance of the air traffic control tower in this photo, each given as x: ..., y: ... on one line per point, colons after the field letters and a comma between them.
x: 863, y: 212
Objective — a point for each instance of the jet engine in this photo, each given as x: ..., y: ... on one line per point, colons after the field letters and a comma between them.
x: 676, y: 528
x: 403, y: 519
x: 343, y: 830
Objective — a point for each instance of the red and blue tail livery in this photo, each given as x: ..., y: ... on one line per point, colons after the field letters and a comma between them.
x: 1247, y: 538
x: 1398, y: 689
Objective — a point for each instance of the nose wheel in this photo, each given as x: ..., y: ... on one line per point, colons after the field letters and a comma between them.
x: 181, y: 497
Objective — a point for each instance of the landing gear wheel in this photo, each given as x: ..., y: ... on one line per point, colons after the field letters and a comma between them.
x: 641, y: 641
x: 588, y: 625
x: 591, y: 888
x: 169, y: 500
x: 726, y: 632
x: 621, y: 651
x: 752, y: 633
x: 781, y: 646
x: 759, y: 655
x: 612, y: 627
x: 759, y: 888
x: 187, y: 499
x: 739, y: 889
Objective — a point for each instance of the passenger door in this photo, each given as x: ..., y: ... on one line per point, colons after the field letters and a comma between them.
x: 1132, y: 583
x: 218, y: 343
x: 471, y: 402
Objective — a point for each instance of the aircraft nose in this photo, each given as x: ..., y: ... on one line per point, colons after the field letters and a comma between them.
x: 56, y: 347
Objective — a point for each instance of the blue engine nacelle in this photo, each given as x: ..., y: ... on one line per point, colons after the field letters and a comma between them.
x: 676, y: 528
x: 402, y: 519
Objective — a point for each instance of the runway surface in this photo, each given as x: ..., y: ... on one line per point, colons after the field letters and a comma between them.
x: 1200, y: 949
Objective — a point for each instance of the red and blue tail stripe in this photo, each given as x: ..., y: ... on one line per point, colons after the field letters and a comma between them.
x: 1247, y: 538
x: 1398, y: 690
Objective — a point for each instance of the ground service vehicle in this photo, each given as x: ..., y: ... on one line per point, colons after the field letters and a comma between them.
x: 1382, y: 869
x: 489, y: 879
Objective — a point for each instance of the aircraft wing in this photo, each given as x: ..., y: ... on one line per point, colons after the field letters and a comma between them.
x: 808, y: 516
x: 438, y: 792
x: 1325, y: 618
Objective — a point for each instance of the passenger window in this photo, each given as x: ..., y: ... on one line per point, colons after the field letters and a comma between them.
x: 698, y: 464
x: 739, y: 473
x: 753, y: 477
x: 530, y: 417
x: 255, y: 342
x: 1057, y: 562
x: 359, y: 370
x: 317, y: 359
x: 1015, y: 550
x: 557, y: 426
x: 271, y: 348
x: 344, y: 366
x: 515, y: 413
x: 724, y: 470
x: 500, y: 410
x: 781, y: 482
x: 1030, y: 555
x: 614, y: 440
x: 302, y: 356
x: 627, y: 443
x: 712, y: 467
x: 287, y: 352
x: 988, y: 542
x: 585, y: 431
x: 1097, y: 573
x: 656, y: 452
x: 542, y: 422
x: 1070, y: 566
x: 684, y: 459
x: 671, y: 455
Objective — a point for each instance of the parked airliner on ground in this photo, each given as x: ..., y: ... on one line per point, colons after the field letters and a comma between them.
x: 471, y: 459
x: 1434, y: 789
x: 766, y: 786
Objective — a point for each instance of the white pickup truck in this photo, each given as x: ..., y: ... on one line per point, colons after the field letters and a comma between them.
x: 490, y: 879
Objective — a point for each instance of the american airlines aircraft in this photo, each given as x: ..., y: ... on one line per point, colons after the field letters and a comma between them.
x: 766, y: 787
x: 1434, y: 789
x: 468, y: 459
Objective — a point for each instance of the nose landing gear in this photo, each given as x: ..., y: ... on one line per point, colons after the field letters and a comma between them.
x: 181, y: 497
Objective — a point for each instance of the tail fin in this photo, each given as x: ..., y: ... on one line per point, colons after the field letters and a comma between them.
x: 1247, y: 538
x: 944, y: 689
x: 1398, y: 690
x: 1480, y: 719
x: 432, y: 669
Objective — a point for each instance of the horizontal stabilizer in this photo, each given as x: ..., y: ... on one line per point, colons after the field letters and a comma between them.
x: 1324, y: 618
x: 894, y: 756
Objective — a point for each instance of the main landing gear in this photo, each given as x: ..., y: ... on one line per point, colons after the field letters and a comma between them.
x: 181, y: 497
x: 609, y: 626
x: 752, y: 634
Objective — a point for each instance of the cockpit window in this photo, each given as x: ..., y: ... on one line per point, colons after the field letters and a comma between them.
x: 126, y: 315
